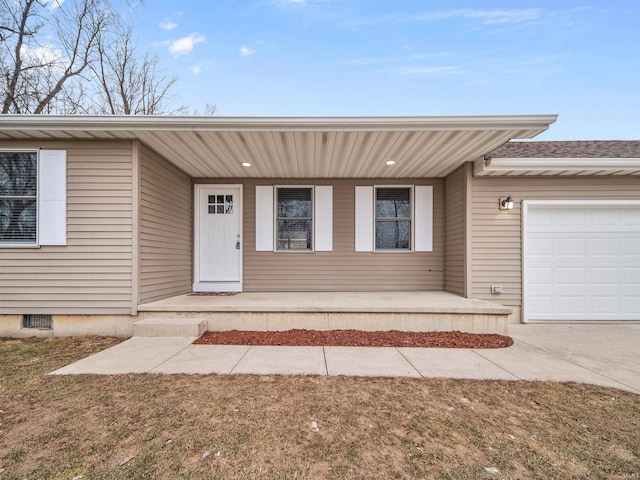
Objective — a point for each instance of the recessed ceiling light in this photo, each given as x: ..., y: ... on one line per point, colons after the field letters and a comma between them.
x: 246, y: 164
x: 390, y: 162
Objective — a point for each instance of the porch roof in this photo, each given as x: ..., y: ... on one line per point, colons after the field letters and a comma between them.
x: 295, y: 147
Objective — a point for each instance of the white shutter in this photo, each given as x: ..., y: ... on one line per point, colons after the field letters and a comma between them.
x: 52, y: 197
x: 323, y: 218
x: 423, y: 221
x: 364, y: 219
x: 264, y: 218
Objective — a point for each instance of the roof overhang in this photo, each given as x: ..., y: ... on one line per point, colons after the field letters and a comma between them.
x: 298, y: 147
x: 556, y: 166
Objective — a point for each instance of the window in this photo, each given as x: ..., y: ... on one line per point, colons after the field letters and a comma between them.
x: 294, y: 218
x: 18, y: 197
x: 393, y: 218
x: 220, y: 204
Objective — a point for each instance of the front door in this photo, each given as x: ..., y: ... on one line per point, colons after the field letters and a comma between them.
x: 218, y: 238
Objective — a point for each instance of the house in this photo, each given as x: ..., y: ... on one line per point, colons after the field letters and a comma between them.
x: 105, y: 218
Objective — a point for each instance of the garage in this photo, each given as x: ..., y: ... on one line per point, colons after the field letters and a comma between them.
x: 581, y: 260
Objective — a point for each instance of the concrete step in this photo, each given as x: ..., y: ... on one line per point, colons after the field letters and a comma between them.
x: 158, y: 326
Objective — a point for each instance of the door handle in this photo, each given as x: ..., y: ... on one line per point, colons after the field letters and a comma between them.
x: 238, y: 245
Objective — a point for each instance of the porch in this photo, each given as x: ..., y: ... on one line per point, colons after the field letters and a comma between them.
x: 418, y: 311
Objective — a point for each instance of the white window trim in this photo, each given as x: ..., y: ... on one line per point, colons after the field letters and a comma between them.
x: 275, y: 218
x: 412, y: 220
x: 37, y: 242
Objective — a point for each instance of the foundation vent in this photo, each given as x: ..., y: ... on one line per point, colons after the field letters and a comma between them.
x: 37, y: 320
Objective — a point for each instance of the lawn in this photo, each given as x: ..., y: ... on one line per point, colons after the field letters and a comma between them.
x: 197, y: 427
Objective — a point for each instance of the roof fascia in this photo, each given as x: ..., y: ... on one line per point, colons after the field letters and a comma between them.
x: 175, y: 123
x: 521, y: 165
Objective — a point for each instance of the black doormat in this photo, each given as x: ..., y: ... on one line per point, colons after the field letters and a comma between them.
x: 212, y: 294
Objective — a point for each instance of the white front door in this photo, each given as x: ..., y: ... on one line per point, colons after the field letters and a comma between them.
x: 218, y: 238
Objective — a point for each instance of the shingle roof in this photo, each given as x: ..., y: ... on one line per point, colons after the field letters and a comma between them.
x: 569, y: 149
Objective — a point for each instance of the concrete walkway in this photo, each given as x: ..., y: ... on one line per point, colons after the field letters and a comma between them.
x: 606, y: 355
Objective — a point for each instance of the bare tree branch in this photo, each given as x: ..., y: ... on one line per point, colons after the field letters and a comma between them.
x: 77, y: 56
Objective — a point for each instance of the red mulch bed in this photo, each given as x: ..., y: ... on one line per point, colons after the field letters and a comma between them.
x: 357, y: 338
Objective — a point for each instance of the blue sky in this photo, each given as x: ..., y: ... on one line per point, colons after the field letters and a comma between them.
x: 580, y: 60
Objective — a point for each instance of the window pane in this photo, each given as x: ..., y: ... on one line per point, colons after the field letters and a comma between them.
x: 18, y: 175
x: 393, y: 235
x: 212, y: 199
x: 18, y: 220
x: 294, y: 203
x: 293, y: 235
x: 393, y: 203
x: 18, y: 178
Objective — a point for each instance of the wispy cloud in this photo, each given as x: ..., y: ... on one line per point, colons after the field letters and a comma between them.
x: 197, y: 68
x: 44, y: 55
x: 488, y: 17
x: 168, y: 25
x: 51, y: 5
x: 422, y: 71
x: 184, y: 45
x: 246, y: 51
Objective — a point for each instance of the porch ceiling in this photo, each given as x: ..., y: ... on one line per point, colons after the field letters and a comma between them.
x: 296, y: 147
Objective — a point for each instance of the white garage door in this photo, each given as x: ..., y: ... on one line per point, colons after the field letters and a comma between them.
x: 581, y: 261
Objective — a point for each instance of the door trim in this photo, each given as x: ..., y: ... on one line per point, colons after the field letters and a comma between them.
x: 214, y: 286
x: 526, y: 204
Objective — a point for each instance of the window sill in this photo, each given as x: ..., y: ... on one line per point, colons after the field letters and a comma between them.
x: 394, y: 251
x: 294, y: 251
x: 19, y: 245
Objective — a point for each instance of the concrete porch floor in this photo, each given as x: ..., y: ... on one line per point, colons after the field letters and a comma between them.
x: 355, y: 302
x: 190, y: 315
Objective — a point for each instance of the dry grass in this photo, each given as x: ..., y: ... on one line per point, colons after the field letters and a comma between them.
x: 154, y: 426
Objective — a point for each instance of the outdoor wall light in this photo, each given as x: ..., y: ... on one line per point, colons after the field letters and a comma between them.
x: 506, y: 203
x: 390, y: 162
x: 246, y: 164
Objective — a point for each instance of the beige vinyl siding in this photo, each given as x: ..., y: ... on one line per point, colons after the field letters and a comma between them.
x: 455, y: 230
x: 497, y: 234
x: 166, y: 228
x: 92, y: 274
x: 341, y: 269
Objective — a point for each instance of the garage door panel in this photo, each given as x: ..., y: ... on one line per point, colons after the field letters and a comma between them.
x: 604, y: 276
x: 605, y: 305
x: 631, y: 246
x: 605, y: 245
x: 571, y: 305
x: 569, y: 246
x: 582, y: 262
x: 540, y: 306
x: 540, y: 246
x: 631, y: 276
x: 569, y: 219
x: 605, y: 217
x: 631, y: 306
x: 540, y: 276
x: 569, y: 276
x: 631, y: 218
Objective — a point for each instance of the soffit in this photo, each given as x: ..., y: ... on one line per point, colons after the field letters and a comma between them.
x: 296, y: 147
